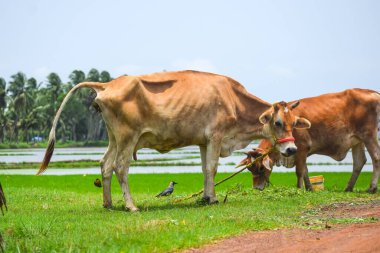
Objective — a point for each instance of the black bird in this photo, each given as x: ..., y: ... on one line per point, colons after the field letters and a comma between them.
x: 98, y: 183
x: 169, y: 190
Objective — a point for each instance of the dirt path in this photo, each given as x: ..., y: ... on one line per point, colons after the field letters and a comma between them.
x: 358, y: 237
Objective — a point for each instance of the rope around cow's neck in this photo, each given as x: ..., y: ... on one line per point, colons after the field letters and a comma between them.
x: 229, y: 177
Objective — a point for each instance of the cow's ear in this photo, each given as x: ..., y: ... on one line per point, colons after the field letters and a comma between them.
x: 254, y: 153
x: 267, y: 162
x: 302, y: 123
x: 294, y: 105
x: 266, y: 117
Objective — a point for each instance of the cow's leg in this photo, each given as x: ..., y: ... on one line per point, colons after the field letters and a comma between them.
x: 107, y: 169
x: 121, y: 166
x: 359, y: 159
x: 203, y: 151
x: 301, y: 170
x: 306, y: 179
x: 106, y: 164
x: 373, y: 148
x: 212, y: 158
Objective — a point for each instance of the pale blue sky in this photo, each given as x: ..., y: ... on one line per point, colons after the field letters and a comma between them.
x: 279, y: 50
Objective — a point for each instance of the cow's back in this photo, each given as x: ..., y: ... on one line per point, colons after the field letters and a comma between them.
x: 175, y: 108
x: 338, y: 120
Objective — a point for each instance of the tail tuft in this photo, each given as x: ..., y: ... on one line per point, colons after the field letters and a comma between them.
x: 48, y: 155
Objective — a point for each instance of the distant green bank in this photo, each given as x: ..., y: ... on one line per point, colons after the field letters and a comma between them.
x: 90, y: 164
x: 59, y: 144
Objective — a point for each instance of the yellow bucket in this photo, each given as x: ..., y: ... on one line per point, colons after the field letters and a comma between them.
x: 317, y: 183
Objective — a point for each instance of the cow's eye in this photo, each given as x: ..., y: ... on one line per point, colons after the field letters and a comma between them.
x: 278, y: 124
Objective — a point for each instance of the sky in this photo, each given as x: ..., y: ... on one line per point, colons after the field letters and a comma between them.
x: 279, y: 50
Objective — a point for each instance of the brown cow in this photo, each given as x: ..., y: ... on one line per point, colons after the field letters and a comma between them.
x: 340, y: 121
x: 164, y: 111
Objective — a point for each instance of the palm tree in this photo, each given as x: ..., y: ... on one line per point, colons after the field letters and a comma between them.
x: 18, y: 95
x: 105, y: 76
x: 77, y: 76
x: 28, y: 122
x: 54, y: 89
x: 93, y: 75
x: 42, y: 111
x: 74, y: 113
x: 54, y: 85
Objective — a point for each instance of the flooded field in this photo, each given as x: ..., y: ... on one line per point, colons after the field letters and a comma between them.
x: 183, y: 160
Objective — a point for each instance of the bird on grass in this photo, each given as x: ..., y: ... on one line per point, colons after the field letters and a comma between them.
x: 169, y: 190
x: 98, y: 183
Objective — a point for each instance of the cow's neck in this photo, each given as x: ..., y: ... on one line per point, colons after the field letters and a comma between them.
x: 248, y: 112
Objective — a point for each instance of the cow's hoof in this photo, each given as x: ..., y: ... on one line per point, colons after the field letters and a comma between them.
x: 309, y: 189
x: 215, y: 202
x: 133, y: 209
x: 107, y: 206
x: 208, y: 201
x: 348, y: 189
x: 260, y: 188
x: 372, y: 190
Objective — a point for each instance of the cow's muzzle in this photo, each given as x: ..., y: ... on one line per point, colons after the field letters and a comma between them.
x: 291, y: 151
x: 287, y: 146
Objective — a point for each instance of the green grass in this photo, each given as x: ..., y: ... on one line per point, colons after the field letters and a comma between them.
x: 65, y: 214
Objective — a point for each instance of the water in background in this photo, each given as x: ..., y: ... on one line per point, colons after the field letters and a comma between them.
x: 187, y: 155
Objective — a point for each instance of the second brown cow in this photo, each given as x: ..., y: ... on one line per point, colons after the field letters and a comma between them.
x: 339, y: 122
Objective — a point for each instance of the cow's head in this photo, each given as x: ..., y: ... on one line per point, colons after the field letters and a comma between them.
x: 260, y: 169
x: 279, y: 122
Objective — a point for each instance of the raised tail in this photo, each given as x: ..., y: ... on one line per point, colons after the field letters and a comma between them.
x: 50, y: 149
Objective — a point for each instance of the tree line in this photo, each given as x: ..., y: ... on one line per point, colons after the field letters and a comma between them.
x: 27, y: 108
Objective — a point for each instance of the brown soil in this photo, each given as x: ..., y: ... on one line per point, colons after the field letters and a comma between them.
x: 357, y: 237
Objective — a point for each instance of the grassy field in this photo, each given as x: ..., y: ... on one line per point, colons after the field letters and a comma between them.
x: 65, y: 214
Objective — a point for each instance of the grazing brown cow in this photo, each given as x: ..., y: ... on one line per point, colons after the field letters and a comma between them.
x: 164, y: 111
x: 340, y: 122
